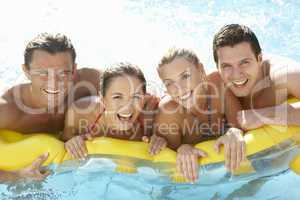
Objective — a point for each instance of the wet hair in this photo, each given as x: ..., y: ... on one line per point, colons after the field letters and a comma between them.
x: 174, y: 53
x: 233, y: 34
x: 50, y: 43
x: 118, y: 70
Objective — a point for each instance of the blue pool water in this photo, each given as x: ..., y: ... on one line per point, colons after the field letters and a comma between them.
x: 140, y: 31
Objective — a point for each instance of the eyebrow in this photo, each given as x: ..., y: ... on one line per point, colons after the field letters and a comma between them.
x: 244, y: 59
x: 139, y: 93
x: 117, y: 93
x: 224, y: 63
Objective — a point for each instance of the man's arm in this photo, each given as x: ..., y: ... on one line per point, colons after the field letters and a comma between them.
x: 7, y: 176
x: 286, y: 82
x: 32, y: 172
x: 283, y: 115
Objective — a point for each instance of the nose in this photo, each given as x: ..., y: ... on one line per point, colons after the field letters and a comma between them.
x: 183, y: 87
x: 54, y: 78
x: 53, y: 81
x: 126, y: 107
x: 236, y: 73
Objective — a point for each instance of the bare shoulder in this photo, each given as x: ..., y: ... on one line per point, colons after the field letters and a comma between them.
x: 216, y: 85
x: 89, y: 74
x: 214, y: 78
x: 169, y: 111
x: 10, y: 98
x: 15, y: 92
x: 11, y: 113
x: 87, y: 106
x: 285, y: 75
x: 283, y: 70
x: 87, y: 82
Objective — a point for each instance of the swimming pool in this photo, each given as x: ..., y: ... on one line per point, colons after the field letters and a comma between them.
x: 139, y: 32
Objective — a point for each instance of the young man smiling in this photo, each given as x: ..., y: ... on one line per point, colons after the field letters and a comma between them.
x: 40, y: 105
x: 55, y: 83
x: 262, y: 86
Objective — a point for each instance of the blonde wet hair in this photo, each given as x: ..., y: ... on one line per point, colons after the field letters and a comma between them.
x: 188, y: 54
x: 174, y: 53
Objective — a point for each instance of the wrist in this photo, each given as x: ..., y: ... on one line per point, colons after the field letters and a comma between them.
x: 183, y: 146
x: 18, y: 174
x: 234, y: 130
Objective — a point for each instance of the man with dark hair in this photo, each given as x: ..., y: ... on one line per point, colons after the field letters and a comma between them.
x: 261, y: 85
x: 40, y: 105
x: 55, y: 83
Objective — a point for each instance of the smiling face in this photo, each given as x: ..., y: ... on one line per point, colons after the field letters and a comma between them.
x: 51, y: 76
x: 123, y: 100
x: 183, y: 81
x: 239, y: 68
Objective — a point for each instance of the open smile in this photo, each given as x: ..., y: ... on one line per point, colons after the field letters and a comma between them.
x: 49, y: 91
x: 186, y: 96
x: 125, y: 117
x: 240, y: 83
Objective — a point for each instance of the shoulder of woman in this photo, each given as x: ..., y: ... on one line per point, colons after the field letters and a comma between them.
x: 214, y: 77
x: 87, y: 107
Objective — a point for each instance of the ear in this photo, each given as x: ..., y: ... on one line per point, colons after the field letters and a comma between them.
x: 102, y: 100
x: 74, y: 68
x: 158, y: 69
x: 200, y: 67
x: 260, y: 57
x: 25, y: 69
x: 102, y: 103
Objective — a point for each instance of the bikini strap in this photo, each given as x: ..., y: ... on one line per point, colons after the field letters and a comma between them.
x: 93, y: 125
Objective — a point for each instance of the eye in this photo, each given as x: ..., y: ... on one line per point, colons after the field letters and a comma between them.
x: 225, y: 66
x: 137, y: 97
x: 43, y: 73
x: 168, y: 83
x: 64, y: 74
x: 39, y: 73
x: 186, y: 76
x: 245, y: 62
x: 117, y: 97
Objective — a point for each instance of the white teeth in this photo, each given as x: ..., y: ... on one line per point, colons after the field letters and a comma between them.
x: 125, y: 116
x: 186, y: 96
x: 49, y: 91
x: 241, y: 82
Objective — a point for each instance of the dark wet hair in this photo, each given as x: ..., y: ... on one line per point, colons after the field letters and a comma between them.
x: 233, y: 34
x: 50, y: 43
x: 121, y: 69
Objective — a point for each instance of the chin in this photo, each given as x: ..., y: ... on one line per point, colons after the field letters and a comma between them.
x: 125, y: 127
x: 189, y: 104
x: 240, y: 93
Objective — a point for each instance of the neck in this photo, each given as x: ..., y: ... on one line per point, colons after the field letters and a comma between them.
x: 262, y: 82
